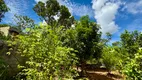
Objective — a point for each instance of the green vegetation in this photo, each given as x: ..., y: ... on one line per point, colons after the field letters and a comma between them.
x: 47, y: 57
x: 23, y: 22
x: 4, y: 25
x: 47, y: 11
x: 54, y: 50
x: 110, y: 58
x: 133, y: 67
x: 3, y: 9
x: 3, y: 69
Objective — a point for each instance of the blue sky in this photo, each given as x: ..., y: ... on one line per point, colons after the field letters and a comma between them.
x: 113, y: 16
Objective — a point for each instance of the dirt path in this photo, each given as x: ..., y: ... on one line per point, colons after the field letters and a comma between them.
x: 102, y: 74
x: 99, y: 75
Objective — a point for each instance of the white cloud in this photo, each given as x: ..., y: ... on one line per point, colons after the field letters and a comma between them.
x: 105, y: 11
x: 75, y: 9
x: 40, y: 0
x: 134, y: 7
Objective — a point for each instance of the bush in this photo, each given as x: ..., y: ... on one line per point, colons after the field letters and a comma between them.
x: 110, y: 58
x: 133, y: 67
x: 47, y: 57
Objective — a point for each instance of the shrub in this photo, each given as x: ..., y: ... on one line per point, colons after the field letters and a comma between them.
x: 47, y: 58
x: 133, y: 67
x: 110, y: 58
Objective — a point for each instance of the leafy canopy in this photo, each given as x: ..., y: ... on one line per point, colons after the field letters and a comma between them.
x: 84, y: 38
x: 51, y: 11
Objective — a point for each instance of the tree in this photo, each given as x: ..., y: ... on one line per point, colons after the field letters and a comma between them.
x: 109, y: 36
x: 48, y: 59
x: 88, y: 34
x: 117, y: 43
x: 3, y: 9
x: 84, y: 38
x: 65, y: 18
x: 24, y: 22
x: 131, y: 41
x: 105, y: 41
x: 47, y: 11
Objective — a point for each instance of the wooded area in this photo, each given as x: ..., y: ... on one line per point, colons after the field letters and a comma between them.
x: 65, y: 48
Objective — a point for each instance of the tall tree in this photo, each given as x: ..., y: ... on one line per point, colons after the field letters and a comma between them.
x: 3, y: 9
x: 85, y: 39
x: 89, y: 37
x: 65, y: 18
x: 131, y: 41
x: 47, y: 11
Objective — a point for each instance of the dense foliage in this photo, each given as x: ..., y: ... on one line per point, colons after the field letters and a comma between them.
x: 85, y: 38
x: 110, y: 58
x: 52, y: 15
x: 133, y: 67
x: 47, y: 57
x: 54, y: 50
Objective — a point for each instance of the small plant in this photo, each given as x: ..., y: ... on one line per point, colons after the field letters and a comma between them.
x: 110, y: 58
